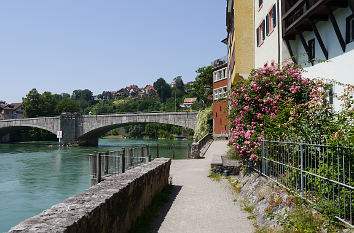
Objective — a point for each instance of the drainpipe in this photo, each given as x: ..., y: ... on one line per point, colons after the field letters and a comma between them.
x: 278, y: 19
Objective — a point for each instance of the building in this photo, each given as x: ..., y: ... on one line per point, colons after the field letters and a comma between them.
x: 269, y: 44
x: 323, y: 30
x: 240, y: 39
x: 220, y: 110
x: 188, y: 102
x: 148, y: 90
x: 11, y: 111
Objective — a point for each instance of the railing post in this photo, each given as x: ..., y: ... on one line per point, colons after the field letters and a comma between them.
x: 106, y: 163
x: 302, y: 168
x: 142, y: 154
x: 263, y: 158
x: 157, y: 151
x: 123, y: 160
x: 188, y: 151
x: 148, y: 153
x: 94, y: 169
x: 98, y: 168
x: 173, y: 151
x: 131, y: 157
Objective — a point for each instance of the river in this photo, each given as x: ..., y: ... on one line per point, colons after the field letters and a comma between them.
x: 36, y: 175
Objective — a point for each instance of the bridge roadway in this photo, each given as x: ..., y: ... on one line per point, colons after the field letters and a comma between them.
x: 85, y: 130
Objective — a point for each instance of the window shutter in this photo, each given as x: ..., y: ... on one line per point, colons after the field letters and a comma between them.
x: 257, y: 33
x: 352, y: 29
x: 267, y: 24
x: 263, y: 30
x: 274, y: 16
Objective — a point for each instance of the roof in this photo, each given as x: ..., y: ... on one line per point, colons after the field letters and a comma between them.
x: 190, y: 100
x: 13, y: 106
x: 151, y: 88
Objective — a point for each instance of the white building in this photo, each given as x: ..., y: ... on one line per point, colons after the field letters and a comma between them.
x: 307, y: 30
x: 269, y: 43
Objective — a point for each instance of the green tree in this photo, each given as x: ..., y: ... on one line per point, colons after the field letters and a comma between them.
x: 48, y: 104
x: 68, y: 105
x: 31, y: 104
x: 163, y: 89
x: 202, y: 88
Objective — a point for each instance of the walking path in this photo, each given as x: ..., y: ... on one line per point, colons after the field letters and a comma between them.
x: 202, y: 204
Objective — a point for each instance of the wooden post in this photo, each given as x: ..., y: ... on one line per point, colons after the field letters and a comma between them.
x: 173, y: 151
x: 131, y: 157
x: 99, y: 168
x: 123, y: 160
x: 94, y: 169
x: 157, y: 151
x: 106, y: 163
x: 148, y: 153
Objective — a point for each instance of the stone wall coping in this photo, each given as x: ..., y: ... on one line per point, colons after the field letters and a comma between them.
x: 65, y: 214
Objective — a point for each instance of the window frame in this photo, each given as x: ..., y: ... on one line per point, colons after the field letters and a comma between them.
x: 271, y: 20
x: 261, y: 33
x: 350, y: 29
x: 260, y: 4
x: 311, y: 44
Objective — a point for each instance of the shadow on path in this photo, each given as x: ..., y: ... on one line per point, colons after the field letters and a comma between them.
x: 156, y: 224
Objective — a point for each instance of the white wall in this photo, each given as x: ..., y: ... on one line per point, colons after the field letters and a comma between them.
x: 268, y: 51
x: 339, y: 66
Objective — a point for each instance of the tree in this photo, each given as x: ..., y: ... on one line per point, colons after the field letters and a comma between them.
x: 179, y: 89
x: 31, y: 104
x: 68, y: 105
x: 202, y: 88
x: 163, y: 89
x: 48, y: 104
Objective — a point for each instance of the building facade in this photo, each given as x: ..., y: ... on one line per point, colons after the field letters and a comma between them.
x: 11, y: 111
x: 240, y: 39
x: 220, y: 110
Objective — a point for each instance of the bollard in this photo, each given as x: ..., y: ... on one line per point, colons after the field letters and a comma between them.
x: 123, y: 160
x: 188, y: 151
x: 173, y: 151
x: 98, y: 168
x: 106, y: 163
x: 157, y: 151
x: 131, y: 157
x: 148, y: 153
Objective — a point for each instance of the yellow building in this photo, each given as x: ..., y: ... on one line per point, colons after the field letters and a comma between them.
x: 240, y: 41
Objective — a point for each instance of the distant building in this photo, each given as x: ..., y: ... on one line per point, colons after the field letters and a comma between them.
x: 220, y: 111
x: 11, y: 111
x: 148, y: 91
x: 173, y: 84
x: 188, y: 102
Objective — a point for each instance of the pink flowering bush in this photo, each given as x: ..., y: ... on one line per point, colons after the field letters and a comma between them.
x: 264, y: 104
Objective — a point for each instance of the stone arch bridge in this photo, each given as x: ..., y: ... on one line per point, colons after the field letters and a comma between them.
x: 85, y: 130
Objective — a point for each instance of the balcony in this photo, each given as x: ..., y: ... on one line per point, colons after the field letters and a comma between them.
x: 301, y: 15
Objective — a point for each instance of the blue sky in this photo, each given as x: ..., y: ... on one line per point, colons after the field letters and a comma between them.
x: 63, y: 45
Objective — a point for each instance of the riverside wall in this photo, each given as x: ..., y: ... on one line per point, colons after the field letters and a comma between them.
x: 110, y: 206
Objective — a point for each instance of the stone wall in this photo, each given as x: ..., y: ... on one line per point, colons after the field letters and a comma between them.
x: 110, y: 206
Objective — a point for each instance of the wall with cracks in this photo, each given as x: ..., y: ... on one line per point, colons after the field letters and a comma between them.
x: 110, y: 206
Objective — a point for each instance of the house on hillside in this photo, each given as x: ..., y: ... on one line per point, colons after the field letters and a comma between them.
x: 188, y: 102
x: 149, y: 91
x: 11, y: 111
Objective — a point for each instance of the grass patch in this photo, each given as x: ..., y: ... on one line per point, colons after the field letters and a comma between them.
x: 144, y: 222
x: 247, y: 207
x: 215, y: 176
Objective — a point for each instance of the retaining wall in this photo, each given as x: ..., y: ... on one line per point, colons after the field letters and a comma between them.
x: 110, y: 206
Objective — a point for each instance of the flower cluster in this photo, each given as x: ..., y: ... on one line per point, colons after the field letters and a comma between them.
x: 262, y: 102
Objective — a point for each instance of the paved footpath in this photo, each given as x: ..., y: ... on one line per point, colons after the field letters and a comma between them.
x: 202, y: 204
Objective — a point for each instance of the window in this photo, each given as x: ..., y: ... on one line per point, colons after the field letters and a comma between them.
x: 350, y: 29
x: 311, y: 46
x: 215, y: 94
x: 260, y: 34
x: 216, y: 114
x: 260, y: 3
x: 271, y: 20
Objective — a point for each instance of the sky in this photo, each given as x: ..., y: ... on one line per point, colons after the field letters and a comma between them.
x: 104, y: 45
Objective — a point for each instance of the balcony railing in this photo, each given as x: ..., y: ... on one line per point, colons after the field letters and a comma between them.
x: 297, y: 14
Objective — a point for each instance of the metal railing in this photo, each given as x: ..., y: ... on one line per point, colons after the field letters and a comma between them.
x: 318, y: 172
x: 113, y: 162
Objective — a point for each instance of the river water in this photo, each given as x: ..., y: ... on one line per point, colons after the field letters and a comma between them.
x: 35, y: 176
